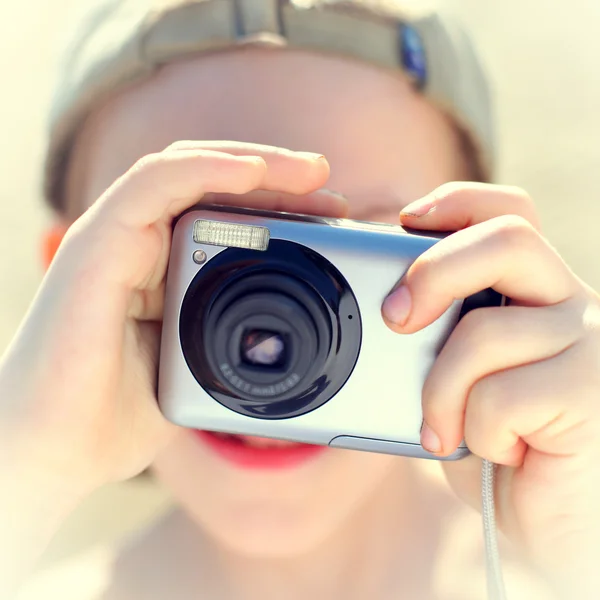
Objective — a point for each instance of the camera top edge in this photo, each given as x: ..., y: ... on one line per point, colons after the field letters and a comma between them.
x: 343, y: 223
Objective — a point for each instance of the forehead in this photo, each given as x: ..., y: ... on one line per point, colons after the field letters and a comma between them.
x: 383, y: 140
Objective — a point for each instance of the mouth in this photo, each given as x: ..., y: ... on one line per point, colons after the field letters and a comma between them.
x: 250, y: 452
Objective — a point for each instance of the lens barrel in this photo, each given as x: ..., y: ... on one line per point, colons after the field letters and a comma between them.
x: 288, y: 295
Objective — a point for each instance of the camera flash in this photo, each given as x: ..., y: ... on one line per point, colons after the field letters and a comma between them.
x: 231, y: 235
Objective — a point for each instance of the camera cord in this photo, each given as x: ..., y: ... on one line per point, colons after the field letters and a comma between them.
x: 495, y: 580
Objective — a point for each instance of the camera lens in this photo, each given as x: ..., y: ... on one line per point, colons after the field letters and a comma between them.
x: 260, y: 347
x: 265, y: 334
x: 270, y: 334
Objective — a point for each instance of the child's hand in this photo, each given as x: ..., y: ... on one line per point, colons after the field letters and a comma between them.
x: 520, y: 384
x: 77, y: 386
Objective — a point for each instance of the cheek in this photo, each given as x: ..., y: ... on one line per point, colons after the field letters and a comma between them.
x: 274, y: 513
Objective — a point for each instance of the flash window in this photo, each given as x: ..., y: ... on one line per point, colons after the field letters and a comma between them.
x: 231, y: 235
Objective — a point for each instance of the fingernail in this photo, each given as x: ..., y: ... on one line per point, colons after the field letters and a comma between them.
x: 430, y: 440
x: 418, y: 208
x: 396, y: 307
x: 256, y: 160
x: 310, y: 155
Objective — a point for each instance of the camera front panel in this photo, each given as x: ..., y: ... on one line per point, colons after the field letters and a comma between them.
x: 373, y: 392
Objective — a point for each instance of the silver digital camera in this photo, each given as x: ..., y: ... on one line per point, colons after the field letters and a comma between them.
x: 273, y: 327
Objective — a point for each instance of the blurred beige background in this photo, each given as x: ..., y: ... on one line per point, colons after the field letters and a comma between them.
x: 543, y: 57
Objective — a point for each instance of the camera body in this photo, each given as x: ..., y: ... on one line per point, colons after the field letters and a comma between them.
x: 272, y: 327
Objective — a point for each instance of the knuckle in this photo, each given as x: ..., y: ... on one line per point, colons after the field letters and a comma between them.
x: 483, y: 390
x: 476, y: 328
x: 520, y: 194
x: 455, y: 190
x: 525, y: 203
x: 487, y: 400
x: 147, y: 163
x: 473, y: 438
x: 420, y: 276
x: 513, y: 231
x: 451, y: 190
x: 590, y: 311
x: 424, y: 266
x: 179, y: 145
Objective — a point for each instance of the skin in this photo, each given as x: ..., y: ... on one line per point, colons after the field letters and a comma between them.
x: 341, y: 525
x: 292, y: 512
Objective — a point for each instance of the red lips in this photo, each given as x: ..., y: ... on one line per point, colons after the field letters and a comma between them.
x: 248, y: 452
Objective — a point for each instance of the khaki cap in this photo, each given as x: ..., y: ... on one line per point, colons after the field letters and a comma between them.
x: 121, y: 42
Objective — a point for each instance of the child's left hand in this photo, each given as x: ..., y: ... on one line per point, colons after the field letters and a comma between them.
x: 521, y: 383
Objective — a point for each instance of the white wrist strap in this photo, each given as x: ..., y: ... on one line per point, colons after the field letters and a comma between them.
x: 495, y: 580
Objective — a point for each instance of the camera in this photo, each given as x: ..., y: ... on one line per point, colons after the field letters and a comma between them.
x: 272, y: 327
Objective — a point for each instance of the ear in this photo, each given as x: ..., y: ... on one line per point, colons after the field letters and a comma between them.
x: 51, y: 241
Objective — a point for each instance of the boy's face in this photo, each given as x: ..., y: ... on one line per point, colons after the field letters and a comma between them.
x: 386, y: 146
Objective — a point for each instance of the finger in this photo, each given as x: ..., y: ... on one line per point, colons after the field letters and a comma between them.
x: 520, y: 418
x: 162, y: 185
x: 148, y: 302
x: 133, y: 217
x: 238, y: 148
x: 505, y: 254
x: 323, y: 203
x: 283, y: 163
x: 486, y: 341
x: 528, y: 406
x: 455, y: 206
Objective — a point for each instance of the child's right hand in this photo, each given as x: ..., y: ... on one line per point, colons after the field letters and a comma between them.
x: 77, y: 385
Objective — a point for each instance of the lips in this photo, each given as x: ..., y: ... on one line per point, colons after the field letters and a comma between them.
x: 249, y: 452
x: 255, y: 442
